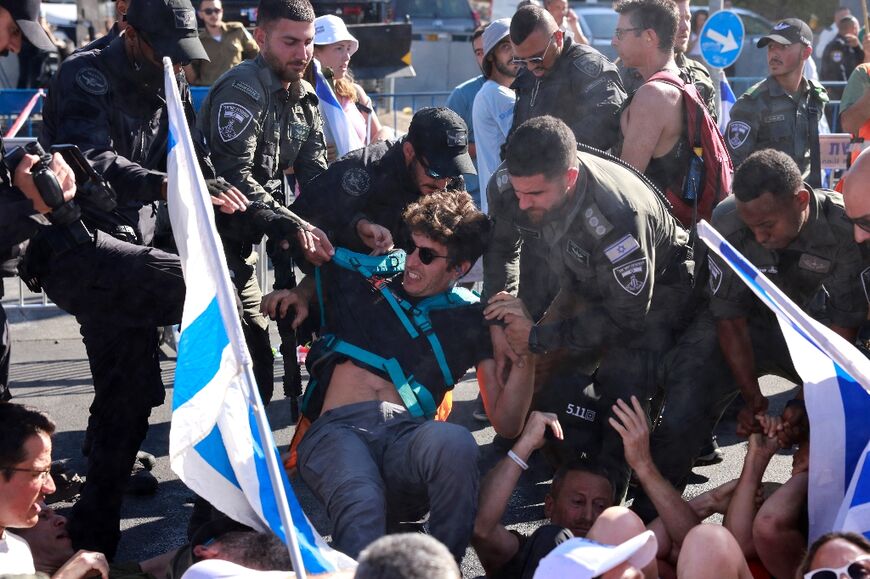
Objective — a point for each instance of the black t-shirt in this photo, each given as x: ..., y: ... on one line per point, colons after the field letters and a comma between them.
x: 359, y: 314
x: 532, y: 549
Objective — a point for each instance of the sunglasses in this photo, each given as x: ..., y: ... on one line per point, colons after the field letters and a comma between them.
x: 426, y: 256
x: 210, y: 11
x: 431, y: 173
x: 857, y: 569
x: 534, y: 60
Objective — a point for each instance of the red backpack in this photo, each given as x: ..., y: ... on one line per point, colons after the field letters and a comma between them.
x: 708, y: 178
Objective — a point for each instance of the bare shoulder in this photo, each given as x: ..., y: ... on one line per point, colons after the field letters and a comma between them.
x: 361, y: 95
x: 657, y: 94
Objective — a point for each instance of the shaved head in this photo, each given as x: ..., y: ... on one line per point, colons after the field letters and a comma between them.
x: 856, y: 195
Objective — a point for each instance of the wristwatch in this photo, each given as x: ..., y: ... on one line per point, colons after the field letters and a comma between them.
x: 535, y: 346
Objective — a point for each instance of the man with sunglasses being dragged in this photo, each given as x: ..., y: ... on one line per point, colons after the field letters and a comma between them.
x: 358, y: 201
x: 396, y: 336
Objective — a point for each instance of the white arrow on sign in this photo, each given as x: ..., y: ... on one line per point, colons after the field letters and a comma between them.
x: 728, y: 43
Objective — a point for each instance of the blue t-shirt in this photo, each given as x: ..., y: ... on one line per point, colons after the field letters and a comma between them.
x: 461, y: 101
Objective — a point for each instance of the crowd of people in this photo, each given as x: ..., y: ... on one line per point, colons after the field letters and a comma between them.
x: 607, y: 342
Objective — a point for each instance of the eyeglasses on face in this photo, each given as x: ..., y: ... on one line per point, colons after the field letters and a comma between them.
x: 534, y: 60
x: 620, y: 32
x: 41, y: 474
x: 210, y: 11
x: 427, y: 254
x: 857, y: 569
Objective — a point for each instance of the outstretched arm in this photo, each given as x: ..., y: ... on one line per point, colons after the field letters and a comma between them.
x: 494, y: 544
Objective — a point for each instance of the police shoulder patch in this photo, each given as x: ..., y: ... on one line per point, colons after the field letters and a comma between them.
x: 355, y: 182
x: 837, y: 56
x: 591, y: 66
x: 299, y: 131
x: 632, y: 276
x: 622, y: 248
x: 92, y: 81
x: 247, y: 89
x: 233, y: 119
x: 737, y: 133
x: 715, y: 279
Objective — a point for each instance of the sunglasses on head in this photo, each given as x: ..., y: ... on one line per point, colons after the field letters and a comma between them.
x: 857, y: 569
x: 427, y: 254
x: 210, y: 11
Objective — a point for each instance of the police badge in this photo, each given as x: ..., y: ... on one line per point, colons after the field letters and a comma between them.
x: 233, y: 119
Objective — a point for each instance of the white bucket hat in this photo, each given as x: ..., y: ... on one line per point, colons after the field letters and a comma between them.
x: 329, y: 29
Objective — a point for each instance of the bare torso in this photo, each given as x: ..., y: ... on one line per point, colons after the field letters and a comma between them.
x: 351, y: 384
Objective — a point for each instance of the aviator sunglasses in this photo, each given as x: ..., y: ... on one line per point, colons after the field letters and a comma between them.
x: 210, y: 11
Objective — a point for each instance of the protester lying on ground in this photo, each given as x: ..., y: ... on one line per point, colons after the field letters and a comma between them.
x: 617, y: 547
x: 391, y: 349
x: 25, y: 479
x: 51, y: 547
x: 406, y: 556
x: 581, y: 491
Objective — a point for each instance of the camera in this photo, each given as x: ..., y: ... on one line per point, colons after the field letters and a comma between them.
x: 90, y: 185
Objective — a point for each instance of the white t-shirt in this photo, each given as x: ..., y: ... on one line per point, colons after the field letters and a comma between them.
x: 15, y: 556
x: 492, y: 116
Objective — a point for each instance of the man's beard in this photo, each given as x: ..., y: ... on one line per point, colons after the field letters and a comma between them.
x: 504, y: 69
x: 281, y: 69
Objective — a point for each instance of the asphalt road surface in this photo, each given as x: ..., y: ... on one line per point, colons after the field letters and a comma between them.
x: 50, y: 372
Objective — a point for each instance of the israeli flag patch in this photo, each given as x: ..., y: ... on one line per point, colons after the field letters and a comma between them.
x: 622, y: 248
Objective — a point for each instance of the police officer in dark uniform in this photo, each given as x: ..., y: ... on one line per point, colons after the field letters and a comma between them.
x: 20, y: 202
x: 781, y: 112
x: 359, y: 200
x: 109, y: 103
x: 801, y: 239
x: 691, y: 71
x: 260, y: 119
x: 623, y: 260
x: 574, y: 83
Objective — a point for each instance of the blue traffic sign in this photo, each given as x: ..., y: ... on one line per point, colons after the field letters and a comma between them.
x: 722, y: 39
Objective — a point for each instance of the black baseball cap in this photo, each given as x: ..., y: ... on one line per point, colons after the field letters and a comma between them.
x: 440, y: 136
x: 788, y: 31
x: 169, y: 26
x: 26, y: 15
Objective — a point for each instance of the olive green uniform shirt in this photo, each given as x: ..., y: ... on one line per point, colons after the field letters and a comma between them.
x: 766, y: 117
x: 236, y: 44
x: 823, y: 254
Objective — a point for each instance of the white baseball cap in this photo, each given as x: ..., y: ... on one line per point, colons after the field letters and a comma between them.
x: 329, y: 29
x: 584, y: 559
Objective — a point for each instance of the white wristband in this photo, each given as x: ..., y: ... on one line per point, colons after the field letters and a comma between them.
x: 513, y: 456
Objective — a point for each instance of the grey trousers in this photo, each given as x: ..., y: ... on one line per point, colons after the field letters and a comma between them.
x: 372, y: 463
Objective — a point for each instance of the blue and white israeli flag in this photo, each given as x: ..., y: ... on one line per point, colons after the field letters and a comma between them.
x: 345, y: 136
x: 215, y: 443
x: 837, y: 393
x: 727, y: 100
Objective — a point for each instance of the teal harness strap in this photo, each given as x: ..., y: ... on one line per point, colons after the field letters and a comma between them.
x: 420, y: 314
x: 415, y: 320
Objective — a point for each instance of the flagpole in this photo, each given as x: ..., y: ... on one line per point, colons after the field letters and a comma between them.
x: 292, y: 541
